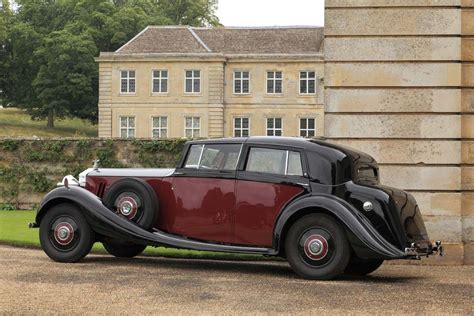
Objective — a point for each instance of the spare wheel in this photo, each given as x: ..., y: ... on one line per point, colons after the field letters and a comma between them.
x: 134, y: 199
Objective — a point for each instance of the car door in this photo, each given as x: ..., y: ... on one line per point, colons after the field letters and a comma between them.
x: 203, y: 193
x: 268, y: 179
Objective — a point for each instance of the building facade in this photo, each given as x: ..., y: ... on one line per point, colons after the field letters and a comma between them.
x: 400, y: 74
x: 225, y: 82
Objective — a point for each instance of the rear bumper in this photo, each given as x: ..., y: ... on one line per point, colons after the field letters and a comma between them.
x: 424, y: 249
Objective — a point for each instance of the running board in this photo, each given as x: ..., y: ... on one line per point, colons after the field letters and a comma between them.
x: 180, y: 242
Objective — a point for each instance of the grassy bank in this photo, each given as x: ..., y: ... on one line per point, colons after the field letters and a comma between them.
x: 14, y: 231
x: 16, y: 123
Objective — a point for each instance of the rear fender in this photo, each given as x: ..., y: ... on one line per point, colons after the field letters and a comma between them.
x: 356, y: 224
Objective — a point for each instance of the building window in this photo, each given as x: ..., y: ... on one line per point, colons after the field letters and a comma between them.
x: 274, y: 126
x: 160, y: 127
x: 160, y: 81
x: 274, y: 82
x: 241, y: 127
x: 307, y: 82
x: 241, y: 82
x: 193, y: 81
x: 307, y: 127
x: 127, y: 81
x: 127, y: 126
x: 192, y: 127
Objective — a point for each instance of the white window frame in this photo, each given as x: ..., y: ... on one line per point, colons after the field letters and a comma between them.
x: 192, y: 128
x: 160, y: 128
x: 241, y: 129
x: 307, y: 129
x: 192, y: 81
x: 241, y: 79
x: 127, y: 128
x: 274, y: 129
x: 160, y: 78
x: 128, y: 78
x: 274, y: 79
x: 307, y: 82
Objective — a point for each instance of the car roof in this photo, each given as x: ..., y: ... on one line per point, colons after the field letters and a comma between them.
x: 311, y: 144
x: 297, y: 142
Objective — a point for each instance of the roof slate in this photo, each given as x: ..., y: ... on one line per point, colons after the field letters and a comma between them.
x: 269, y: 40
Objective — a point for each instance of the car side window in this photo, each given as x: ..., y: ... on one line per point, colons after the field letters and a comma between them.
x: 274, y: 161
x: 213, y: 156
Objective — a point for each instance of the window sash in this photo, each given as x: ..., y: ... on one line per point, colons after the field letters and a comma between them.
x: 160, y: 81
x: 241, y: 127
x: 307, y: 82
x: 274, y: 82
x: 274, y: 126
x: 241, y: 82
x: 127, y: 81
x: 192, y: 81
x: 192, y: 126
x: 159, y: 127
x: 127, y: 126
x: 307, y: 127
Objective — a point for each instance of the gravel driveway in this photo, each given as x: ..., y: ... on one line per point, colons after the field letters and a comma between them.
x: 31, y: 283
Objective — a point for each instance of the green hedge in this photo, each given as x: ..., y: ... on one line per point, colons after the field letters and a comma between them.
x: 30, y: 168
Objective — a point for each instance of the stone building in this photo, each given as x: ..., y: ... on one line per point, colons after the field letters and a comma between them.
x: 400, y: 86
x: 201, y: 82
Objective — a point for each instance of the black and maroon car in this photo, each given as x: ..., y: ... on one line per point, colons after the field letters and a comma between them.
x: 316, y: 204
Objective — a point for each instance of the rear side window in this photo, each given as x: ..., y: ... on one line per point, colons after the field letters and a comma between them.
x: 213, y: 157
x: 274, y: 161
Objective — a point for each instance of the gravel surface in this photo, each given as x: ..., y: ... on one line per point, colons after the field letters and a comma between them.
x: 31, y: 283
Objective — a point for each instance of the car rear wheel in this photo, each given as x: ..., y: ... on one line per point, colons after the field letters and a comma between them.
x: 123, y: 249
x: 317, y: 248
x: 358, y: 266
x: 135, y: 200
x: 64, y: 233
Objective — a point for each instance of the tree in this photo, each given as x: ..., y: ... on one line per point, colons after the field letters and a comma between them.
x: 50, y: 46
x: 191, y: 12
x: 66, y: 80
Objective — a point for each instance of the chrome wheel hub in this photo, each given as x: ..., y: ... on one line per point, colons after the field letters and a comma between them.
x: 315, y: 247
x: 127, y: 206
x: 63, y: 233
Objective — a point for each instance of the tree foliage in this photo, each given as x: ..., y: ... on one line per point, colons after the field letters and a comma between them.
x: 47, y: 47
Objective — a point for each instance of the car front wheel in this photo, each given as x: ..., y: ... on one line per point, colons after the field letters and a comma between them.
x: 65, y: 235
x: 317, y: 248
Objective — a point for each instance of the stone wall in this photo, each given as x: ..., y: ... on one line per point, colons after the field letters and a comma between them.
x: 397, y: 89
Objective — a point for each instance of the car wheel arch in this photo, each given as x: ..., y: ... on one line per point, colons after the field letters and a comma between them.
x: 299, y: 214
x: 51, y: 203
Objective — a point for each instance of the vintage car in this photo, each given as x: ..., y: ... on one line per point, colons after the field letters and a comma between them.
x: 318, y: 205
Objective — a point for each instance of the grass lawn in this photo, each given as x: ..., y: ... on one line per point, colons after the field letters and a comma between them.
x: 14, y: 231
x: 16, y: 123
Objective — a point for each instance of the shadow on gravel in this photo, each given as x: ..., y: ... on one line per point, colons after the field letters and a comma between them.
x: 269, y: 268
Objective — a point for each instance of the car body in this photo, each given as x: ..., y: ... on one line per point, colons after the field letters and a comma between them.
x: 317, y: 204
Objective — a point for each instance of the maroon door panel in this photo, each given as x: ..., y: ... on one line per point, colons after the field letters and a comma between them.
x: 257, y: 207
x: 199, y: 208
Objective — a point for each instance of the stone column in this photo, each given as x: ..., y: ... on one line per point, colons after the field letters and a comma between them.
x: 105, y: 100
x: 393, y: 90
x: 467, y: 121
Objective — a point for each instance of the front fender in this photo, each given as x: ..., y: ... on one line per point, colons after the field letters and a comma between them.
x: 355, y: 222
x: 99, y: 217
